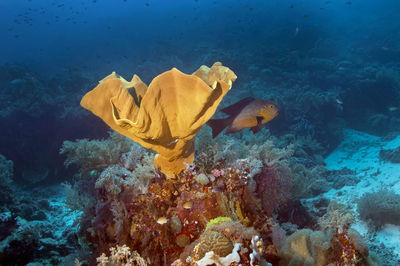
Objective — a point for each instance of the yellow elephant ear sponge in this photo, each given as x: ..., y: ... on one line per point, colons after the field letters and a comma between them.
x: 166, y: 115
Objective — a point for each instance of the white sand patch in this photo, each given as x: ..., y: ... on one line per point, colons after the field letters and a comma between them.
x: 360, y: 152
x: 62, y: 217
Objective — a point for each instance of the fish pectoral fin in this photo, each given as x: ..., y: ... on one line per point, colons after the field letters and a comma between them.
x: 257, y: 128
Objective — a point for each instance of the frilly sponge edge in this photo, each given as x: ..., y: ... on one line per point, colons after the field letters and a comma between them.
x: 166, y: 115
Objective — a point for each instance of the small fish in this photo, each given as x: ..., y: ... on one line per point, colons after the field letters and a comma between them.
x: 392, y: 109
x: 338, y: 101
x: 248, y: 112
x: 188, y: 205
x: 92, y: 173
x: 162, y: 220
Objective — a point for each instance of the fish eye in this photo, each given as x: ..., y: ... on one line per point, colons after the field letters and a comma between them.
x: 271, y: 106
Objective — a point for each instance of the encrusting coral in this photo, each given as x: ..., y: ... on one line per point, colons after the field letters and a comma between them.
x: 165, y: 116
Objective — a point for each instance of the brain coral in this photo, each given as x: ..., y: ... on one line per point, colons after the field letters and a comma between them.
x: 166, y: 115
x: 212, y: 241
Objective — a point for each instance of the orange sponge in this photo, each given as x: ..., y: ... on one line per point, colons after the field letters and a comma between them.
x: 165, y: 116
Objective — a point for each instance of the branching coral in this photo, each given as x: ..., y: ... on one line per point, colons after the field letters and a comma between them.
x: 380, y: 208
x: 309, y: 181
x: 337, y: 217
x: 76, y: 200
x: 121, y: 255
x: 273, y: 187
x: 115, y: 178
x: 272, y: 155
x: 121, y: 221
x: 95, y: 154
x: 307, y: 147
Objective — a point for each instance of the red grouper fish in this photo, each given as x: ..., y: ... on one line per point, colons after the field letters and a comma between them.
x: 248, y: 112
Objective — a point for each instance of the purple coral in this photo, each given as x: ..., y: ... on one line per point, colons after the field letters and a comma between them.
x: 273, y: 187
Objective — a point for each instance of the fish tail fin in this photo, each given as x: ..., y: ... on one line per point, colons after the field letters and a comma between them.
x: 217, y: 125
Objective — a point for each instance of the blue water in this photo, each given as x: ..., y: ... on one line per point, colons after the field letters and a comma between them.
x: 328, y: 65
x: 119, y: 34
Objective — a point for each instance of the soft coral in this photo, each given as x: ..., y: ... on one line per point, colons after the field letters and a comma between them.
x: 273, y: 187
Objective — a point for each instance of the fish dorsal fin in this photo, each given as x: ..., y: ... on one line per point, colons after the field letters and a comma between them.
x: 237, y: 107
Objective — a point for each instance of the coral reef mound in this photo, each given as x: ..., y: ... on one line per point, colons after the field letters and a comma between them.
x: 165, y: 116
